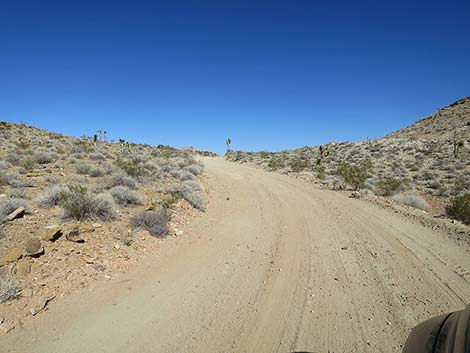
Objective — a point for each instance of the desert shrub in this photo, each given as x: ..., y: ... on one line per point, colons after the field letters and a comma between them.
x: 8, y: 289
x: 96, y: 171
x: 298, y: 165
x: 44, y: 157
x: 122, y: 179
x: 133, y: 167
x: 97, y: 156
x: 8, y: 178
x: 156, y: 222
x: 125, y: 196
x: 83, y: 168
x: 194, y: 169
x: 183, y: 175
x: 28, y: 163
x: 390, y: 186
x: 53, y: 196
x: 19, y: 193
x: 459, y: 208
x: 9, y: 205
x: 187, y: 190
x: 52, y: 179
x: 354, y: 175
x: 411, y: 199
x: 80, y: 204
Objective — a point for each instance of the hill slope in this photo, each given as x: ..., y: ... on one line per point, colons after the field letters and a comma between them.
x: 421, y: 154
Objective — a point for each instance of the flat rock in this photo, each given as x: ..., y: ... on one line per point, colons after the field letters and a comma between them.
x: 13, y: 255
x: 53, y: 234
x: 34, y: 247
x: 75, y: 236
x: 86, y: 228
x: 41, y: 305
x: 18, y: 213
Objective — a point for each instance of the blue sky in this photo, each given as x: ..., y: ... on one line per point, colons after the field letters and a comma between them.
x: 271, y: 75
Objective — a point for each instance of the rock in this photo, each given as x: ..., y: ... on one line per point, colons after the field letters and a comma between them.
x: 41, y: 305
x: 34, y: 247
x: 22, y: 268
x: 96, y: 225
x: 7, y: 326
x: 13, y: 255
x: 355, y: 195
x: 32, y: 175
x: 86, y: 228
x: 75, y: 236
x: 18, y: 213
x: 53, y: 234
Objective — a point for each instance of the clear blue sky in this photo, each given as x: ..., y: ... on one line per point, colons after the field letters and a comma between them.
x: 271, y: 75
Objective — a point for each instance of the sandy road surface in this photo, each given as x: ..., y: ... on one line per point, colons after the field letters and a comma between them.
x: 279, y: 267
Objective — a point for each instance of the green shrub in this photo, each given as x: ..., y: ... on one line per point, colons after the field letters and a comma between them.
x: 459, y: 208
x: 354, y: 175
x: 298, y: 165
x: 133, y: 167
x: 390, y: 186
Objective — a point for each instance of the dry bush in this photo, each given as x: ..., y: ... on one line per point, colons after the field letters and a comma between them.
x: 80, y: 204
x: 412, y: 200
x: 53, y: 196
x: 122, y: 179
x: 125, y: 196
x: 156, y: 222
x: 187, y: 190
x: 8, y: 289
x: 10, y: 205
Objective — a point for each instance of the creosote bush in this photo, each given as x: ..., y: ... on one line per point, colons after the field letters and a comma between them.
x: 459, y: 208
x: 80, y: 204
x: 8, y: 178
x: 354, y: 175
x: 125, y: 196
x: 156, y: 222
x: 390, y: 186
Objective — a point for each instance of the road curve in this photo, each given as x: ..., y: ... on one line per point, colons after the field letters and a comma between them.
x: 274, y: 265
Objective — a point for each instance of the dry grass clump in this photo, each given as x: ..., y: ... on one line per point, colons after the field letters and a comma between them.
x: 53, y: 196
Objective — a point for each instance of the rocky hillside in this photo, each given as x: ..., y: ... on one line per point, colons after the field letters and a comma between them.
x: 73, y: 210
x: 432, y: 156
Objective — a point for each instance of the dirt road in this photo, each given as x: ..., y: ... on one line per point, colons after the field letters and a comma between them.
x: 274, y: 265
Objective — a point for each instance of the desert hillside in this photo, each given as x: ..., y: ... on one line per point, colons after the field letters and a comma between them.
x: 430, y: 157
x: 74, y: 210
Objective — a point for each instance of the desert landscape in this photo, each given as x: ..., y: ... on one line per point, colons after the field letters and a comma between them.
x: 113, y: 246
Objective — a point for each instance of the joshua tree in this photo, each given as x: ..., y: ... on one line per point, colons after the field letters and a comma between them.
x: 104, y: 133
x: 228, y: 142
x: 95, y: 138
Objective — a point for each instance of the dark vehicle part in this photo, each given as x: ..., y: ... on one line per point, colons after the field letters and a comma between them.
x: 449, y: 333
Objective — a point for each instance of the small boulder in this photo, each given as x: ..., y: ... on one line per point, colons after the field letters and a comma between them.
x: 34, y: 247
x: 18, y: 213
x: 53, y: 234
x: 22, y: 268
x: 7, y: 325
x: 12, y: 256
x: 75, y: 236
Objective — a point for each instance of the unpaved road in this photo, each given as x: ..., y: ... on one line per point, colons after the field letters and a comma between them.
x: 279, y: 267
